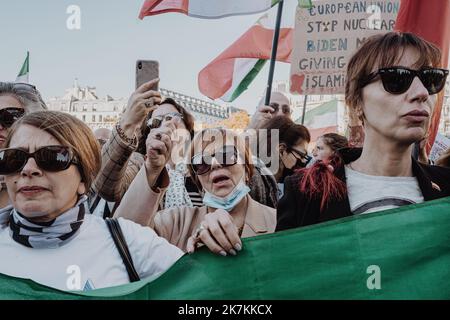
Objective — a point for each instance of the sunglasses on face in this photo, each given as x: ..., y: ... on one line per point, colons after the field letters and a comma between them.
x: 10, y: 115
x: 284, y: 108
x: 201, y: 163
x: 49, y: 158
x: 155, y: 122
x: 300, y: 155
x: 397, y: 80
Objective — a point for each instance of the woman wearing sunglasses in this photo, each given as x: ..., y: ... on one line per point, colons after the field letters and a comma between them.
x: 124, y: 153
x: 49, y: 163
x: 392, y: 82
x: 292, y: 146
x: 16, y: 99
x: 221, y: 167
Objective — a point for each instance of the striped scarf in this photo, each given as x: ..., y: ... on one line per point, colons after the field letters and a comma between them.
x: 47, y: 235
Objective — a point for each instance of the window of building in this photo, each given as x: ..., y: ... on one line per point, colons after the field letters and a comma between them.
x: 93, y: 118
x: 84, y: 117
x: 100, y: 118
x: 85, y: 107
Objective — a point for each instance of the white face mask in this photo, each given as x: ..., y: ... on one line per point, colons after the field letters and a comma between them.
x: 228, y: 202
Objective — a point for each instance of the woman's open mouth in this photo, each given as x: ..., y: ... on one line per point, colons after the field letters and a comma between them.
x: 220, y: 180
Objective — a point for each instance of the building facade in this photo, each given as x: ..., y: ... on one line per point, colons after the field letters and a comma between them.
x: 84, y: 104
x: 96, y: 112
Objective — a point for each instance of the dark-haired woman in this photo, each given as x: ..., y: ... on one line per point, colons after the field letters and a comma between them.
x: 123, y: 154
x: 392, y: 82
x: 291, y: 148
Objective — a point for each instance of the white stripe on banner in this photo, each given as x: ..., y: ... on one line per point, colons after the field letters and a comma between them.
x: 220, y: 8
x: 242, y: 67
x: 323, y: 120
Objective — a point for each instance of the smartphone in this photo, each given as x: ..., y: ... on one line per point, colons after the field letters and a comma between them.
x: 147, y: 70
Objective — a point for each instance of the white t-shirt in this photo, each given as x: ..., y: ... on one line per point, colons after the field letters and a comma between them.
x: 376, y: 193
x: 90, y: 260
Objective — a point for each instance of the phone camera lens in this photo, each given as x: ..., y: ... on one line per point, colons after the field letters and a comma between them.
x: 140, y: 65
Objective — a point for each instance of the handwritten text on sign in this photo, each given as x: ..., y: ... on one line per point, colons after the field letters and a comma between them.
x: 326, y: 36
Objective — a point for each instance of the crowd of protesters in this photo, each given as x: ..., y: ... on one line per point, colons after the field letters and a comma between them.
x: 126, y: 204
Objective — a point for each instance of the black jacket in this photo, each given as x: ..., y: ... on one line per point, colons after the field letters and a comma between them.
x: 296, y: 210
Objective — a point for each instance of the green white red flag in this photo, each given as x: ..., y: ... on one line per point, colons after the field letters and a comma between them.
x: 228, y: 75
x: 208, y: 9
x: 24, y: 72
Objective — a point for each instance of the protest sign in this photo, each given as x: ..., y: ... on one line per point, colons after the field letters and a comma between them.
x: 327, y: 34
x: 441, y: 144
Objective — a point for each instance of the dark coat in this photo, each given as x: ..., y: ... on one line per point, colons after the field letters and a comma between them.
x: 296, y: 210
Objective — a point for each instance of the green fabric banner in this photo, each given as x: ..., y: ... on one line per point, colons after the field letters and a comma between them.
x: 402, y: 253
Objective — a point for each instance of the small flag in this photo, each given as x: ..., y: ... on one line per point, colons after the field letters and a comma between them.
x: 230, y: 74
x: 307, y: 4
x: 322, y: 119
x: 24, y: 73
x: 208, y: 9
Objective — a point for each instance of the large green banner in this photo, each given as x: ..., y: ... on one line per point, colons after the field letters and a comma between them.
x: 402, y: 253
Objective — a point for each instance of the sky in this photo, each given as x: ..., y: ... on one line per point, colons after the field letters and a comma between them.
x: 104, y: 51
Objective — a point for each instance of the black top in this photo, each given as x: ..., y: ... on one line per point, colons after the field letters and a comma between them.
x: 296, y: 210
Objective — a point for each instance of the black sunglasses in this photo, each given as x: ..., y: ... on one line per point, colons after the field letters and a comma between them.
x: 155, y: 122
x: 10, y: 115
x: 285, y: 108
x: 49, y: 158
x: 304, y: 157
x: 397, y: 80
x: 201, y: 163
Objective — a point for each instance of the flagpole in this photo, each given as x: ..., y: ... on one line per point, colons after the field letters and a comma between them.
x: 28, y: 59
x: 274, y: 52
x: 304, y: 109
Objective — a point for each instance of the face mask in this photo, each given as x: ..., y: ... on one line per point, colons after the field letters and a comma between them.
x: 230, y: 201
x: 298, y: 165
x: 311, y: 162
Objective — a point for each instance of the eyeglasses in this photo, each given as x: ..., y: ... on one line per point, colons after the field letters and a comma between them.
x: 49, y: 158
x: 397, y: 80
x: 302, y: 156
x: 201, y: 163
x: 10, y: 115
x: 156, y: 122
x: 285, y: 108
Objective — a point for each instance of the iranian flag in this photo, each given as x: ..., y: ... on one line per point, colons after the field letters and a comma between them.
x: 208, y: 9
x: 228, y: 75
x: 24, y: 73
x: 322, y: 119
